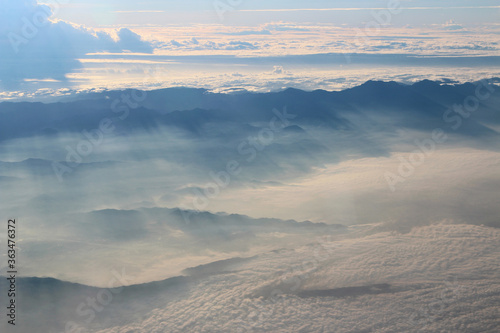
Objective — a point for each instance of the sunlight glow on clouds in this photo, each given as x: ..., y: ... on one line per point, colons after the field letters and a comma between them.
x: 195, y: 47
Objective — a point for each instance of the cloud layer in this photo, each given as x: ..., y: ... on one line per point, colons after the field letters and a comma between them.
x: 428, y: 280
x: 101, y: 175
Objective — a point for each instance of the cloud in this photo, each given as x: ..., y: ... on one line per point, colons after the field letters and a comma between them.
x: 249, y: 32
x: 239, y: 45
x: 34, y: 47
x: 194, y: 44
x: 130, y: 41
x: 175, y: 43
x: 278, y: 70
x: 283, y: 26
x: 451, y: 25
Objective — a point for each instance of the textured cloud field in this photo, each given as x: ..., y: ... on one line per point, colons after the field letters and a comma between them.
x: 436, y: 278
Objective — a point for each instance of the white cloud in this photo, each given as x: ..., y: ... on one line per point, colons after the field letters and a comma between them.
x: 34, y: 47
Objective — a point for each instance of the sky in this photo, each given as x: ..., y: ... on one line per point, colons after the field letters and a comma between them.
x: 253, y: 45
x: 253, y: 12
